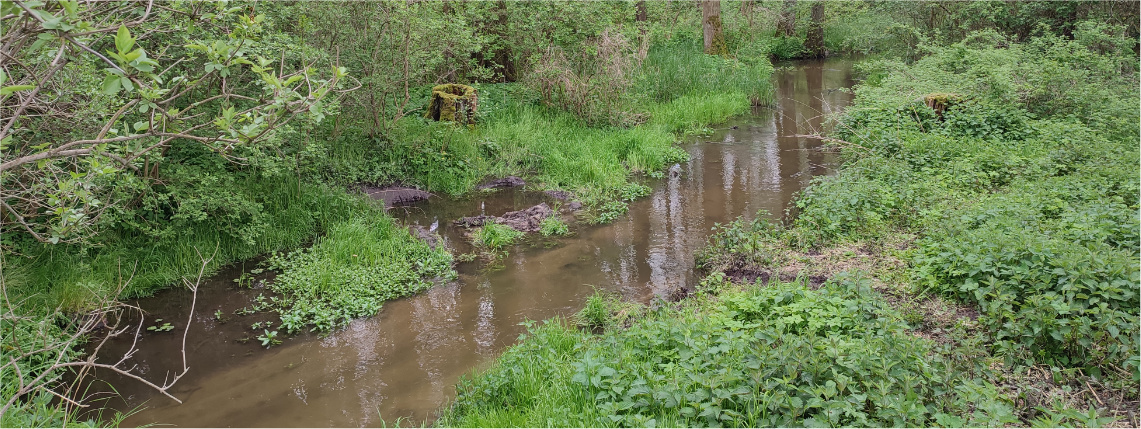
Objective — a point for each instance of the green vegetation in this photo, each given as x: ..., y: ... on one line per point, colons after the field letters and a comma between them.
x: 553, y: 225
x: 990, y: 165
x: 779, y: 355
x: 494, y: 237
x: 994, y: 175
x: 351, y: 270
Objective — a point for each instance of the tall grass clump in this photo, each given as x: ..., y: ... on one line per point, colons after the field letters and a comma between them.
x: 678, y: 68
x: 493, y: 236
x: 351, y: 270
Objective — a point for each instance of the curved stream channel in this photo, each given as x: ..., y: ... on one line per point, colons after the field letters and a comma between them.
x: 405, y: 361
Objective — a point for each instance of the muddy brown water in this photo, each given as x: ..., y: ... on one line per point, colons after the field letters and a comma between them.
x: 405, y: 361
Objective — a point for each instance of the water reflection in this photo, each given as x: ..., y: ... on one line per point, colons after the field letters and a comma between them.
x: 405, y: 361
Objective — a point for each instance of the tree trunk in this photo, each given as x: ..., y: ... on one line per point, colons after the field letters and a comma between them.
x: 711, y: 27
x: 814, y: 43
x: 786, y: 25
x: 641, y: 15
x: 503, y: 56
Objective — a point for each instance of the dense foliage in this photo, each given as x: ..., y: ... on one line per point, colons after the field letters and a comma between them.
x: 1001, y: 171
x: 1024, y: 190
x: 140, y: 138
x: 781, y: 355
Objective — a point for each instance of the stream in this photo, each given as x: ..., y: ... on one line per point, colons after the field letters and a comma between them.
x: 404, y: 363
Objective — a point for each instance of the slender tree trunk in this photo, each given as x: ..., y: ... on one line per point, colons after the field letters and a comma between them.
x: 747, y: 12
x: 786, y: 25
x: 641, y: 15
x: 503, y: 56
x: 814, y: 43
x: 711, y: 27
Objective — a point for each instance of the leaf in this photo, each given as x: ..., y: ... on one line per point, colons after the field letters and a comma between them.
x: 142, y: 126
x: 13, y: 88
x: 123, y: 39
x: 111, y: 85
x: 134, y: 55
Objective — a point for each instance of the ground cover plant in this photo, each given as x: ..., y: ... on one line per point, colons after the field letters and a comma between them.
x: 778, y: 355
x: 351, y: 271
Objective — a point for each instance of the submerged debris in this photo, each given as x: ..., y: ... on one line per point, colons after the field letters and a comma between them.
x: 506, y: 182
x: 395, y: 195
x: 528, y: 220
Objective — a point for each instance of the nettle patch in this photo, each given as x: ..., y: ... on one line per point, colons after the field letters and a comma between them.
x: 781, y: 355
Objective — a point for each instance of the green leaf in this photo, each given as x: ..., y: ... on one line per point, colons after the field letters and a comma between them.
x: 123, y: 39
x: 142, y: 126
x: 13, y: 88
x: 111, y: 85
x: 134, y: 55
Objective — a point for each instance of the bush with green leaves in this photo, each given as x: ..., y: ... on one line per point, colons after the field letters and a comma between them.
x: 779, y: 355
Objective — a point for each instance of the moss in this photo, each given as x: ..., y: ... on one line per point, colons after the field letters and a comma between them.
x: 717, y: 45
x: 453, y: 102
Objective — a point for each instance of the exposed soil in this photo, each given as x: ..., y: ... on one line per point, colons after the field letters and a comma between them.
x: 572, y: 206
x: 422, y: 233
x: 527, y: 220
x: 559, y: 195
x: 395, y: 195
x: 506, y: 182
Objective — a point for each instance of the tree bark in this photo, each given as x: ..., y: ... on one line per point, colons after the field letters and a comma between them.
x: 786, y: 25
x: 814, y: 43
x: 641, y: 15
x: 711, y: 27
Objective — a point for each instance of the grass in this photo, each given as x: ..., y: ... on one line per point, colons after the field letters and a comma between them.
x: 553, y: 225
x: 494, y: 237
x: 351, y: 270
x: 70, y: 277
x: 680, y: 89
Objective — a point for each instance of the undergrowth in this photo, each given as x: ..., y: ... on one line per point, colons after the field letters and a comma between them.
x: 350, y: 271
x: 779, y: 355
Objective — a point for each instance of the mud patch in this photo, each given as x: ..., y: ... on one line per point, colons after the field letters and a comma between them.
x: 423, y: 234
x: 506, y: 182
x: 395, y: 195
x: 527, y: 220
x: 559, y: 195
x: 747, y: 274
